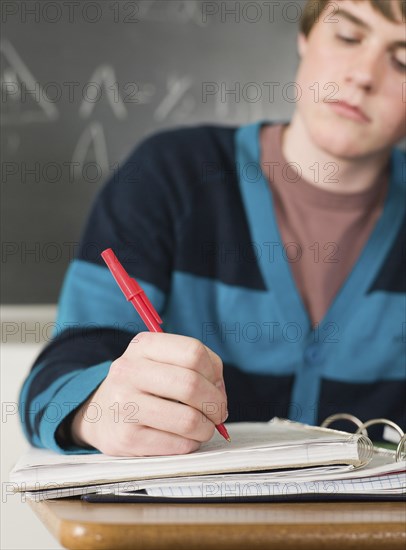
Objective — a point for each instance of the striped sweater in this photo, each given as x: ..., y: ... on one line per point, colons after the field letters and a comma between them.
x: 191, y: 217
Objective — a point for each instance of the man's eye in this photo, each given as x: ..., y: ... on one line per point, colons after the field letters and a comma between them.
x: 399, y: 59
x: 347, y: 39
x: 400, y: 66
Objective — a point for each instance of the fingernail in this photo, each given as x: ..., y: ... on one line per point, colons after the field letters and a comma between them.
x: 221, y: 386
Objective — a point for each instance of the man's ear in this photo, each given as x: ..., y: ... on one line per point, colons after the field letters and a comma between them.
x: 301, y: 44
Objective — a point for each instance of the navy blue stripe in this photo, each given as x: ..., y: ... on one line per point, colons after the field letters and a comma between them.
x: 159, y: 215
x: 392, y: 275
x: 256, y: 397
x: 84, y: 346
x: 386, y: 399
x: 214, y: 241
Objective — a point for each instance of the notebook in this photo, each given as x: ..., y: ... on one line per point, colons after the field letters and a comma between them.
x: 263, y: 458
x: 381, y: 476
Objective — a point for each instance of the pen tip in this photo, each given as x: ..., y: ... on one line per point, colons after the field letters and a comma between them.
x: 229, y: 439
x: 223, y: 432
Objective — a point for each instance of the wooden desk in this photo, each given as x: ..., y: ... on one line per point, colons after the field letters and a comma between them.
x: 81, y: 525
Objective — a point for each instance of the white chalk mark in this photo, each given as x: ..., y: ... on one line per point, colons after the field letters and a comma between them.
x: 179, y: 11
x: 103, y: 81
x: 9, y: 78
x: 191, y: 10
x: 12, y: 78
x: 93, y: 136
x: 177, y: 88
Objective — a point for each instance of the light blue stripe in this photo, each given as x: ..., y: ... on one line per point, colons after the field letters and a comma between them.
x: 378, y: 351
x: 22, y: 401
x: 236, y: 323
x: 90, y: 297
x: 243, y: 326
x: 76, y: 390
x: 47, y: 394
x: 41, y: 400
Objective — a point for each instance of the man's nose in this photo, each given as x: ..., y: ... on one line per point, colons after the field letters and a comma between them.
x: 364, y: 70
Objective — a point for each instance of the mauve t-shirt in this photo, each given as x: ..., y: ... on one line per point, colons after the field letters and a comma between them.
x: 323, y: 232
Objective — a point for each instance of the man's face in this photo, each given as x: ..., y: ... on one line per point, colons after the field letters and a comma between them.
x: 353, y: 57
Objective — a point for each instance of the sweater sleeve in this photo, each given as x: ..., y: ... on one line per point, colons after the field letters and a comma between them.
x: 135, y: 215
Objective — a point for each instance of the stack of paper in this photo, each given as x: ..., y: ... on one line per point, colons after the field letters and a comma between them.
x: 288, y: 457
x: 380, y: 477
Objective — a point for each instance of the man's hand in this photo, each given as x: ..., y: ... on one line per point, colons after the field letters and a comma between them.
x: 163, y: 396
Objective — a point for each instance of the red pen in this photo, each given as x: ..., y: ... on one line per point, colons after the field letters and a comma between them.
x: 134, y: 294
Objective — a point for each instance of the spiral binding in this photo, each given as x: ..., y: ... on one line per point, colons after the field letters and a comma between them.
x: 365, y: 442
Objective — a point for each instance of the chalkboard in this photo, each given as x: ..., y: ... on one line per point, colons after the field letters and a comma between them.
x: 83, y: 82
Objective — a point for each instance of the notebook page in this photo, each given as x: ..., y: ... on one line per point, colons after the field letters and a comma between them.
x: 394, y: 483
x: 381, y: 465
x: 244, y: 435
x: 254, y: 446
x: 129, y: 486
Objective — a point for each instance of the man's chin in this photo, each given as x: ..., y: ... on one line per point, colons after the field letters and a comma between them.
x: 343, y: 145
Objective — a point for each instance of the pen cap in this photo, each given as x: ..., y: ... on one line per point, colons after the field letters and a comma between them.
x: 129, y: 286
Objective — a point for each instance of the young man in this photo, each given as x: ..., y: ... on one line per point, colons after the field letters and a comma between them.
x: 276, y: 249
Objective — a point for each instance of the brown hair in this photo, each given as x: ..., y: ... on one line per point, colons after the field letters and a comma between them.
x: 314, y: 8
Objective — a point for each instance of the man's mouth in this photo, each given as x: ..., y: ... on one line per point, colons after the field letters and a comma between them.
x: 347, y: 110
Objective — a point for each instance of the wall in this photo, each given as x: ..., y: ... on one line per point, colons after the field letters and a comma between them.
x: 83, y: 83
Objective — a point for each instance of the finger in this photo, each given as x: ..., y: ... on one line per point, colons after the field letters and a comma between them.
x: 146, y: 441
x: 170, y: 416
x: 180, y: 384
x: 216, y: 362
x: 173, y: 349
